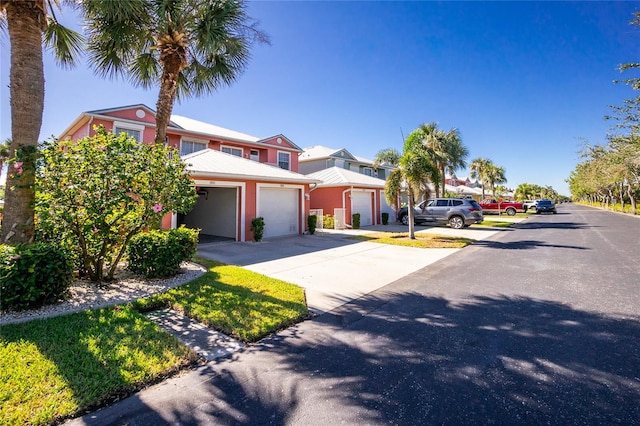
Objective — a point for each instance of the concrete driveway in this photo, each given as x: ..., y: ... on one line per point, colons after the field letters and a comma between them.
x: 332, y: 268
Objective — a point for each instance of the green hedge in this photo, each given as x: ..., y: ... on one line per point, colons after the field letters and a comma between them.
x: 312, y: 222
x: 355, y: 220
x: 33, y: 275
x: 160, y: 253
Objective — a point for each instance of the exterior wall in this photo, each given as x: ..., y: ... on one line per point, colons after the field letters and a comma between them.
x: 328, y: 199
x: 306, y: 167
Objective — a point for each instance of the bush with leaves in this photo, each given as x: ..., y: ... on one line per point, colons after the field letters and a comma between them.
x: 312, y: 222
x: 257, y: 227
x: 96, y: 193
x: 33, y: 275
x: 160, y: 253
x: 355, y: 220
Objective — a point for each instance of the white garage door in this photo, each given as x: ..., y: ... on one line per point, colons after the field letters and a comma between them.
x: 280, y: 209
x: 361, y: 203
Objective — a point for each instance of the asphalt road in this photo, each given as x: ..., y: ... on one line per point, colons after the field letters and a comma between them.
x: 538, y: 325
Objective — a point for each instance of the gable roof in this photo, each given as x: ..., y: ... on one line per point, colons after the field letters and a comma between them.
x: 336, y: 176
x: 318, y: 152
x: 213, y: 163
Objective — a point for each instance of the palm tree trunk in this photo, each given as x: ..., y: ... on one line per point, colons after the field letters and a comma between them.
x: 167, y: 95
x: 25, y: 21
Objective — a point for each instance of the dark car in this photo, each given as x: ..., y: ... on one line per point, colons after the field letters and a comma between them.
x: 457, y: 212
x: 545, y: 206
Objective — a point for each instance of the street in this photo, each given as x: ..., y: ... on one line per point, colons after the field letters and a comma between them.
x: 537, y: 325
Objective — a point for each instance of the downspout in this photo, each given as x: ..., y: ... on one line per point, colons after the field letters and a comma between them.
x: 89, y: 126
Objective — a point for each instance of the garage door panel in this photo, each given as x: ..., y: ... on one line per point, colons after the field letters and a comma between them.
x: 280, y: 209
x: 361, y: 203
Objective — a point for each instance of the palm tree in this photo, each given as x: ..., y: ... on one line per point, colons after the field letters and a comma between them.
x: 447, y: 149
x: 30, y: 23
x: 187, y: 47
x: 478, y: 170
x: 414, y: 169
x: 495, y: 175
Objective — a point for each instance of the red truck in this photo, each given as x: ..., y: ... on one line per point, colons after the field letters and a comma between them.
x: 491, y: 205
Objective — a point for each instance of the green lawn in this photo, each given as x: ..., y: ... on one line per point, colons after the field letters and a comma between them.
x: 57, y: 367
x: 421, y: 240
x: 493, y: 224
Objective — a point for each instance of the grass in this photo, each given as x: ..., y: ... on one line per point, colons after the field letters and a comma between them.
x: 493, y: 224
x: 421, y: 240
x: 240, y: 303
x: 59, y: 367
x: 55, y: 367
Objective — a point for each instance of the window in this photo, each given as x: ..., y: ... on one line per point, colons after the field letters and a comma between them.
x: 231, y: 150
x: 254, y: 155
x: 131, y: 130
x: 283, y: 160
x: 331, y: 162
x: 367, y: 171
x: 442, y: 203
x: 187, y: 147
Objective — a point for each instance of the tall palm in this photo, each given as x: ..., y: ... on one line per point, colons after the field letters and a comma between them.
x: 478, y: 170
x: 30, y: 23
x: 186, y: 47
x: 414, y: 169
x: 447, y: 150
x: 495, y: 175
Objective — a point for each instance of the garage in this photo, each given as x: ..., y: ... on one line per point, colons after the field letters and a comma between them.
x: 215, y: 213
x: 280, y: 208
x: 361, y: 202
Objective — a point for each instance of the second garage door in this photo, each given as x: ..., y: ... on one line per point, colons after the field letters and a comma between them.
x: 280, y: 209
x: 361, y: 203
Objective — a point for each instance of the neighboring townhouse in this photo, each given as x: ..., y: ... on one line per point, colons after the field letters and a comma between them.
x: 238, y: 177
x: 343, y: 192
x: 361, y: 183
x: 320, y: 157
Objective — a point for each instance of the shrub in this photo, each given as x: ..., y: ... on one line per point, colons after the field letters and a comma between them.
x: 160, y: 253
x: 355, y: 222
x: 257, y: 227
x: 312, y: 221
x: 328, y: 221
x: 33, y: 275
x: 95, y: 193
x: 385, y: 218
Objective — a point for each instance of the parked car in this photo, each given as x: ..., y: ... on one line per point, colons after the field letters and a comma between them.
x: 491, y: 205
x: 529, y: 204
x: 457, y: 212
x: 545, y: 206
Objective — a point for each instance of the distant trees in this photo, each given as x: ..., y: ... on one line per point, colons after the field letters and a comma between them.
x: 530, y: 191
x: 612, y: 170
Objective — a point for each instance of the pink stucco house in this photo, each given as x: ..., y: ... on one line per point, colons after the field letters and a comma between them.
x: 237, y: 176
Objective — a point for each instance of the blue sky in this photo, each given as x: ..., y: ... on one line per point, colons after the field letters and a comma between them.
x: 525, y: 82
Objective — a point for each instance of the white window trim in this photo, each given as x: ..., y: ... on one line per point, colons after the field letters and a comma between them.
x: 193, y: 140
x: 129, y: 126
x: 278, y: 159
x: 364, y: 169
x: 232, y: 148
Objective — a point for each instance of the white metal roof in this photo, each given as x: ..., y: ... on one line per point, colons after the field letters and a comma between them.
x: 336, y: 176
x: 212, y: 163
x: 201, y: 127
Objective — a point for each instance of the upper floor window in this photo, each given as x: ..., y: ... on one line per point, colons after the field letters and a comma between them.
x: 284, y: 160
x: 231, y: 150
x: 131, y: 130
x: 187, y: 147
x: 254, y: 155
x: 367, y: 171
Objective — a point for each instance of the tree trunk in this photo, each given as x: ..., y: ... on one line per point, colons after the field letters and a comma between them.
x: 171, y: 66
x: 25, y: 22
